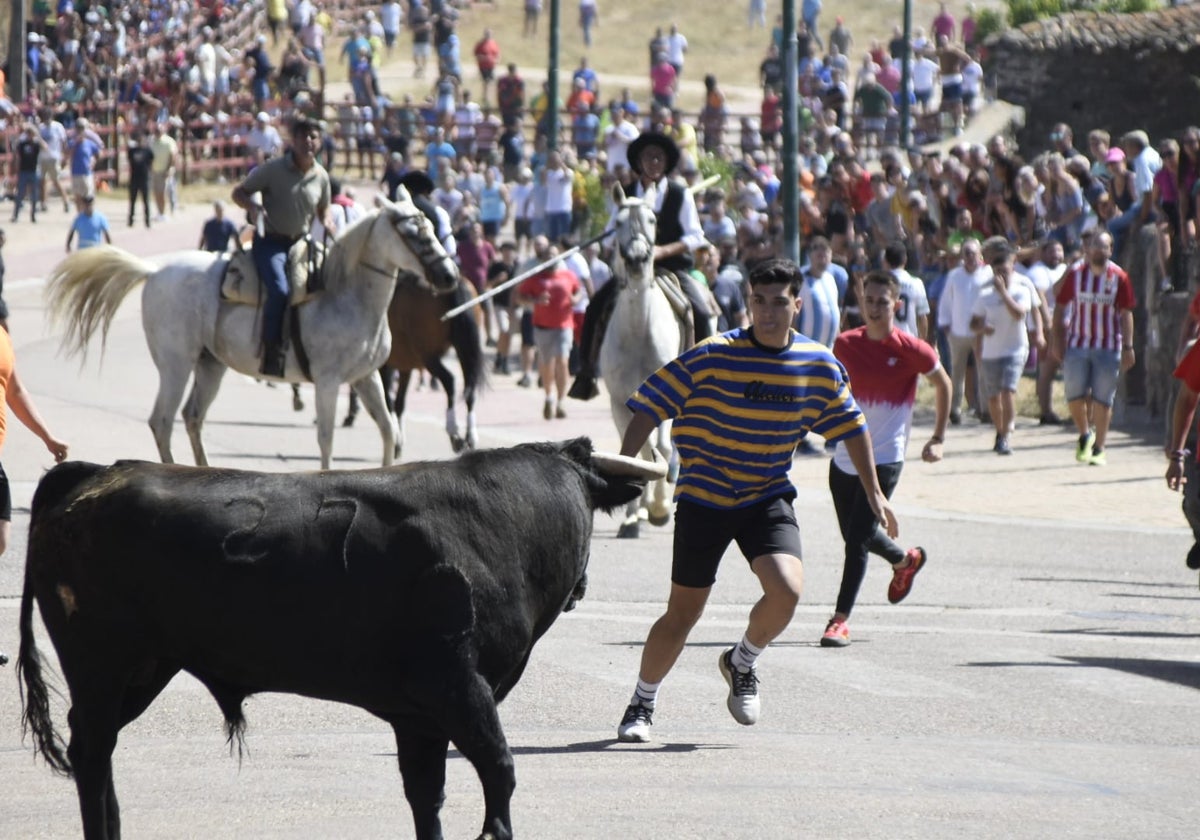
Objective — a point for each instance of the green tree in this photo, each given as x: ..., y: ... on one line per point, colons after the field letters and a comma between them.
x: 1020, y: 12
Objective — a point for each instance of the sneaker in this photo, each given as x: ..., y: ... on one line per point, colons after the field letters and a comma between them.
x: 955, y: 418
x: 743, y: 702
x: 524, y: 381
x: 1003, y: 447
x: 1083, y: 452
x: 560, y: 413
x: 548, y: 410
x: 996, y: 444
x: 1050, y: 419
x: 635, y: 725
x: 1099, y: 457
x: 902, y: 579
x: 837, y: 634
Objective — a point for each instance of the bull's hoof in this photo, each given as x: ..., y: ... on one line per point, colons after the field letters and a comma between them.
x: 457, y: 444
x: 396, y: 452
x: 349, y: 421
x: 629, y: 530
x: 3, y: 658
x: 297, y: 402
x: 658, y: 520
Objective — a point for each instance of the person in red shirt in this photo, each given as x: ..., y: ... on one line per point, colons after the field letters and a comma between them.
x: 487, y: 56
x: 1183, y: 472
x: 1096, y: 346
x: 552, y: 294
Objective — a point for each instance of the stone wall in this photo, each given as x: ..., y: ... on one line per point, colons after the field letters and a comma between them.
x: 1117, y: 72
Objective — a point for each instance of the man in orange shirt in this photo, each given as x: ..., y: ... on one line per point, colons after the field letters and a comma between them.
x: 13, y: 395
x: 552, y: 294
x: 487, y: 56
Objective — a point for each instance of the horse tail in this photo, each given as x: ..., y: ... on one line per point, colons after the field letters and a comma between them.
x: 35, y: 695
x: 466, y: 339
x: 84, y: 291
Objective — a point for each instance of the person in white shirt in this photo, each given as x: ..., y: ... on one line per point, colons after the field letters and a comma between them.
x: 964, y: 284
x: 913, y: 314
x: 617, y: 138
x: 390, y: 14
x: 924, y: 77
x: 1045, y: 275
x: 998, y: 316
x: 264, y: 139
x: 677, y: 45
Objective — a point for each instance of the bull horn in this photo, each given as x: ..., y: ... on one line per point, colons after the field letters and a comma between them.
x: 627, y: 467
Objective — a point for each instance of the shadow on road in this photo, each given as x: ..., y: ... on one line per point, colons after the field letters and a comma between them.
x: 1186, y: 674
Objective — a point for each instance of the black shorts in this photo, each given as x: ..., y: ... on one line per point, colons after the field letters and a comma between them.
x: 703, y: 533
x: 5, y: 497
x: 522, y: 227
x: 527, y: 328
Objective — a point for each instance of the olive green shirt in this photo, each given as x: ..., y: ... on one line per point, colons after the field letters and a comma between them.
x: 290, y: 197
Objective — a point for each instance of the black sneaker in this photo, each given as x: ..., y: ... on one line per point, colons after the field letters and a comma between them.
x: 743, y: 702
x: 635, y: 725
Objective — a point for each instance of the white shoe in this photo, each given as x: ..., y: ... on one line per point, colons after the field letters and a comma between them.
x: 635, y: 726
x: 743, y: 702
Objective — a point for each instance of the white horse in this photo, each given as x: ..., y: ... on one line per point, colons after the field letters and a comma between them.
x: 193, y: 333
x: 642, y: 336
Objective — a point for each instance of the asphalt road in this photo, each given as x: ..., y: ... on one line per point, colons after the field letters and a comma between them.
x: 1039, y: 682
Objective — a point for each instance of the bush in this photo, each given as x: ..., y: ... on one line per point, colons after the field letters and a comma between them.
x: 1021, y: 12
x: 989, y: 22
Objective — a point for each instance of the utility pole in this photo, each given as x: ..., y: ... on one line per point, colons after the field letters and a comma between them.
x: 552, y: 79
x: 16, y: 52
x: 790, y: 187
x: 906, y: 79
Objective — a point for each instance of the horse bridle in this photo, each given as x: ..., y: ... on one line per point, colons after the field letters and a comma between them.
x: 418, y: 242
x: 640, y: 234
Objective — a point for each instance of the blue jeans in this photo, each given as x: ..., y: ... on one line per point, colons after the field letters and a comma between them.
x: 558, y: 225
x: 270, y: 258
x: 27, y: 185
x: 1119, y: 226
x: 1092, y: 370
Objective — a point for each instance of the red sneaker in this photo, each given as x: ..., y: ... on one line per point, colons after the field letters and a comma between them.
x: 837, y: 634
x: 902, y: 579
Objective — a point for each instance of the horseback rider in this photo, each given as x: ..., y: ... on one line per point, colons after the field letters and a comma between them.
x: 295, y: 189
x: 652, y: 157
x: 420, y: 189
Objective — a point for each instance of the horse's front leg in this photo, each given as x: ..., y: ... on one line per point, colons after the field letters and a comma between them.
x: 326, y: 401
x: 370, y: 392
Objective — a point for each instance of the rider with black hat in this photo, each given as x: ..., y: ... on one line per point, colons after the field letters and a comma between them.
x: 652, y: 156
x: 420, y: 188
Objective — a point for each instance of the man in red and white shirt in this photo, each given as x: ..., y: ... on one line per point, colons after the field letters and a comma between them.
x: 884, y: 363
x: 1093, y: 336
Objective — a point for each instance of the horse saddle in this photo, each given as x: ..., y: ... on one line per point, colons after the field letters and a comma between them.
x: 305, y: 260
x: 672, y: 289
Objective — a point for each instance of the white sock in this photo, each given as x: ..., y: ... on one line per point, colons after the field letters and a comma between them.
x: 645, y: 694
x: 745, y: 655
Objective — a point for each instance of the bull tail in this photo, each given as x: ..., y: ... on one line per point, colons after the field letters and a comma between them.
x: 84, y: 291
x: 465, y: 338
x: 35, y: 695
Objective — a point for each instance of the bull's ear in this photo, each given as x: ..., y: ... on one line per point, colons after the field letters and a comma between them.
x: 618, y: 195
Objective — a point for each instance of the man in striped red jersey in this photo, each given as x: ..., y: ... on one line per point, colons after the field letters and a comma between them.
x: 1093, y: 337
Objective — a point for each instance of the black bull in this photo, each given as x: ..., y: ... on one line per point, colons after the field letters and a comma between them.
x: 414, y: 592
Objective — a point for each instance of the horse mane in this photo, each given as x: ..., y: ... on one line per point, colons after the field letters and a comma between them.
x: 346, y: 250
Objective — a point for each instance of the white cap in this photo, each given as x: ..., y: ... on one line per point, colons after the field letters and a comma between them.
x: 262, y: 117
x: 34, y: 38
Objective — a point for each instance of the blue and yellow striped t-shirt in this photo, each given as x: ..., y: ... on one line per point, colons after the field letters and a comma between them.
x: 740, y: 408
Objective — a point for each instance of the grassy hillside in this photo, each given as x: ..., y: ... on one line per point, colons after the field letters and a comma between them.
x: 720, y: 42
